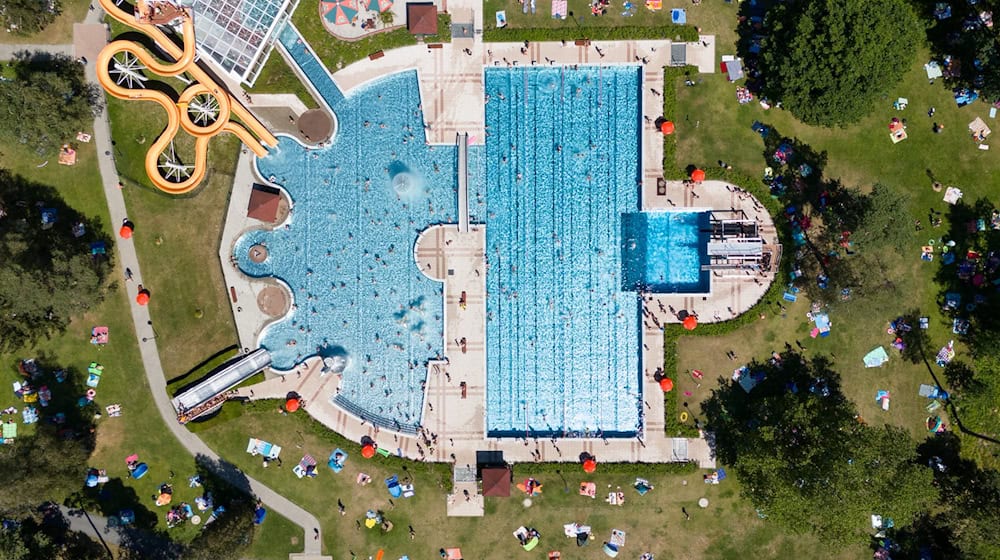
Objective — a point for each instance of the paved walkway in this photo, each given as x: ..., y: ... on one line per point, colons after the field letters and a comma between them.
x: 91, y: 524
x: 7, y: 52
x: 147, y: 342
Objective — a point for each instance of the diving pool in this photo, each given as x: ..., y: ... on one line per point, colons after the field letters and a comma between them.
x: 665, y: 250
x: 562, y: 168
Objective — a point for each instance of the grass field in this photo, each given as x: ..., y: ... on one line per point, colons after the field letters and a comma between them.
x: 713, y: 16
x: 712, y: 126
x: 59, y: 32
x: 177, y: 239
x: 139, y: 429
x: 727, y: 529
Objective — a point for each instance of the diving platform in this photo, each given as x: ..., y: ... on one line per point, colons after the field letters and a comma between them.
x: 462, y: 139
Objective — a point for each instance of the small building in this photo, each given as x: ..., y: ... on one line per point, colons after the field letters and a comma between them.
x: 264, y: 203
x: 496, y: 481
x: 421, y: 18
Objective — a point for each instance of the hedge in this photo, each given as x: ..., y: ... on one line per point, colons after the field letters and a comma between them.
x: 672, y: 333
x: 631, y: 469
x: 684, y: 33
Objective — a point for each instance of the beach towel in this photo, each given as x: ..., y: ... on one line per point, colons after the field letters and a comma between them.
x: 260, y: 447
x: 337, y: 460
x: 559, y: 9
x: 876, y: 358
x: 392, y: 485
x: 306, y: 467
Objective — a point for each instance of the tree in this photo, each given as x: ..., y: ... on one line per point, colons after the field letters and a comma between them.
x: 828, y: 61
x: 25, y: 17
x: 885, y: 223
x: 804, y: 459
x: 47, y: 275
x: 228, y: 537
x: 47, y: 102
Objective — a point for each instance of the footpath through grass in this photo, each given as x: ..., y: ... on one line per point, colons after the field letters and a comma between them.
x: 177, y: 239
x: 139, y: 429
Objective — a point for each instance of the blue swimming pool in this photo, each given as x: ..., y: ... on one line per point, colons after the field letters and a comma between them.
x: 562, y: 167
x: 664, y: 252
x: 347, y: 252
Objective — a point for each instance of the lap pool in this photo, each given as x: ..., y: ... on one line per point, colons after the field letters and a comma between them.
x: 562, y: 167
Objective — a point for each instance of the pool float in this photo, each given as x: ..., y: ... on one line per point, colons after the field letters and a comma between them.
x: 684, y: 416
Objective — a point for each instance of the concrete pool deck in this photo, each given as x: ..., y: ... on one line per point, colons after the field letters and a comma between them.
x: 452, y: 96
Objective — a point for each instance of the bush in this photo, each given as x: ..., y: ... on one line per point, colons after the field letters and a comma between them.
x: 685, y: 33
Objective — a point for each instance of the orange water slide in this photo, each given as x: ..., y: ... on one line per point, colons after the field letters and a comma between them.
x: 196, y: 72
x: 177, y: 111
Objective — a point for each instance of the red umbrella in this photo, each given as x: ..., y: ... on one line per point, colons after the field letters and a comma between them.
x: 690, y: 322
x: 291, y: 405
x: 697, y: 175
x: 667, y: 128
x: 142, y: 298
x: 368, y: 451
x: 667, y: 384
x: 589, y: 466
x: 125, y: 231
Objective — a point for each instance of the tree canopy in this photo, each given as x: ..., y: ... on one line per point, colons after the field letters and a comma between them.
x: 47, y: 102
x: 48, y: 274
x: 25, y: 17
x: 827, y: 61
x: 804, y: 458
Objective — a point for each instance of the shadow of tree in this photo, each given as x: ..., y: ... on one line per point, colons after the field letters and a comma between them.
x: 52, y: 273
x: 963, y: 45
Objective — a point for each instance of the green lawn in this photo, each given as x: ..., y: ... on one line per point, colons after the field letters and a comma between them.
x: 59, y: 32
x: 139, y: 429
x: 711, y: 126
x: 178, y: 239
x: 711, y: 16
x: 728, y: 529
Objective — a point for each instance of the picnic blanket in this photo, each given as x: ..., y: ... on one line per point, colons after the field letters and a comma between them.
x: 588, y: 489
x: 99, y: 335
x: 260, y: 447
x: 337, y: 460
x: 392, y: 485
x: 876, y: 357
x: 617, y: 537
x: 9, y: 430
x: 642, y: 486
x: 560, y: 9
x: 571, y: 530
x: 306, y: 467
x: 616, y: 498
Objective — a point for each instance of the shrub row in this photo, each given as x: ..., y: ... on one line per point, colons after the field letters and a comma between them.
x: 630, y: 469
x: 685, y: 33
